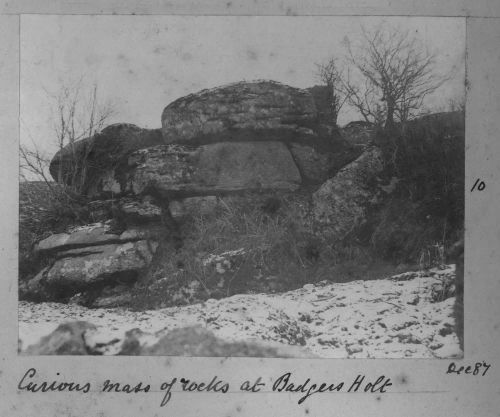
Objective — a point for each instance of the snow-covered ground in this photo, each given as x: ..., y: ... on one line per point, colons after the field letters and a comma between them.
x: 389, y: 318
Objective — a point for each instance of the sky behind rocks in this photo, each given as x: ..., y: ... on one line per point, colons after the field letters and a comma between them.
x: 142, y: 63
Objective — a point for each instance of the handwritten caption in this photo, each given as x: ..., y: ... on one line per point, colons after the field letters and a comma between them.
x: 30, y: 382
x: 286, y: 383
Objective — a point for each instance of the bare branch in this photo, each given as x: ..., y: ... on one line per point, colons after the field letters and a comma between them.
x: 399, y: 74
x: 77, y: 114
x: 330, y: 75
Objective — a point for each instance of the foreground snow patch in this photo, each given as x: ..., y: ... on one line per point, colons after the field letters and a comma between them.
x: 389, y: 318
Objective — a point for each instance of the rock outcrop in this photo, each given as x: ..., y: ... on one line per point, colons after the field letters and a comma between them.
x: 248, y: 139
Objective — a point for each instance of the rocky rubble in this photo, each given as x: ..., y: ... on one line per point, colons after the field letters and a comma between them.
x: 397, y: 317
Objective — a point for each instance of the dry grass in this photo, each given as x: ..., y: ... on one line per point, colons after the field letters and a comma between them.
x: 274, y: 249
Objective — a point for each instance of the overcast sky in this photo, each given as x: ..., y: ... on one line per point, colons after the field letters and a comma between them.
x: 142, y: 63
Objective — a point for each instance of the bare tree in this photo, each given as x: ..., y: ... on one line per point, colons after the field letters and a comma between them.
x: 330, y: 75
x: 398, y: 73
x: 77, y: 114
x: 365, y: 98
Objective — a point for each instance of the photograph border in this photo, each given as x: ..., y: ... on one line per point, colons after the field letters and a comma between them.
x: 418, y: 385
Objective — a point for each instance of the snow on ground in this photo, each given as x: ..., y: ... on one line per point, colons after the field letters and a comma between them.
x: 388, y: 318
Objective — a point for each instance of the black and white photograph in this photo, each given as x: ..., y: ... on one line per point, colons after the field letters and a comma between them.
x: 242, y: 186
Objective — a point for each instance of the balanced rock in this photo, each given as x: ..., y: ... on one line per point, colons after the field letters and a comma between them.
x: 341, y: 203
x: 259, y: 110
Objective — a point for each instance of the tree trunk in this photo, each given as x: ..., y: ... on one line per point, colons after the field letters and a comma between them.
x: 389, y: 121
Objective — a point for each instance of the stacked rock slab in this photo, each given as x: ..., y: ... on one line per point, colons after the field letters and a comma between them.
x: 92, y: 256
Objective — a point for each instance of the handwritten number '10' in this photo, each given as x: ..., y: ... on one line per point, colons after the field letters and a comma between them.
x: 478, y: 185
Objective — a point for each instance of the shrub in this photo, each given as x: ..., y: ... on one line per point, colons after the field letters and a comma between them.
x: 427, y: 155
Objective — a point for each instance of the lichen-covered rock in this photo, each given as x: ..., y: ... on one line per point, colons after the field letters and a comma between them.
x: 215, y: 168
x: 91, y: 267
x: 340, y: 204
x: 259, y: 110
